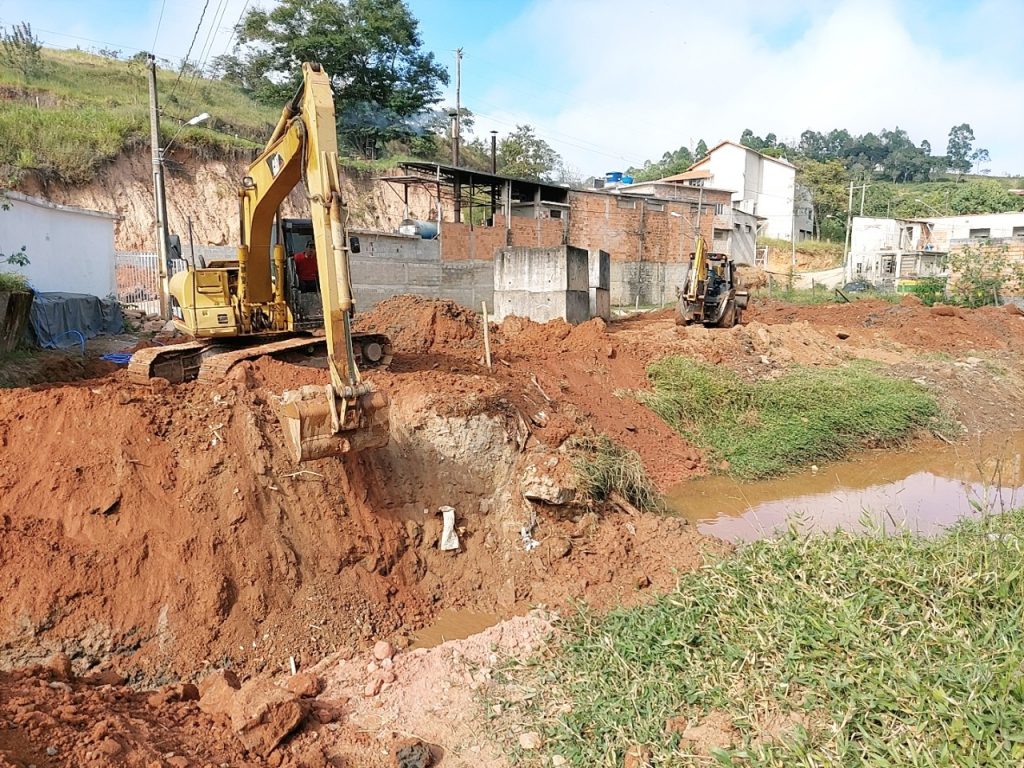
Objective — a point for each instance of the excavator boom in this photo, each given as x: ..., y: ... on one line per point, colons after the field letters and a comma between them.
x: 347, y: 414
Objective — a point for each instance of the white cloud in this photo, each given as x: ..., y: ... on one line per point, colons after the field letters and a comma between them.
x: 645, y: 77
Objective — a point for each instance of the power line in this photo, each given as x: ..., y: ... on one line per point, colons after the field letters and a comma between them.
x: 184, y: 61
x: 159, y: 21
x: 234, y: 29
x: 207, y: 47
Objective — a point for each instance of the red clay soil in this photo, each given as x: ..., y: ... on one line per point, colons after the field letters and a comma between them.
x: 163, y: 529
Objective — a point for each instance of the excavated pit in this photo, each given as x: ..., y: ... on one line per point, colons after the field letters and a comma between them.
x: 163, y: 530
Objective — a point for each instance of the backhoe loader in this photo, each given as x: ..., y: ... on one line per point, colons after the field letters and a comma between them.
x: 253, y: 305
x: 711, y: 295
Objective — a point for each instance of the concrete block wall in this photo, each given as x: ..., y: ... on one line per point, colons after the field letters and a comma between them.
x: 542, y: 283
x: 600, y: 284
x: 652, y: 282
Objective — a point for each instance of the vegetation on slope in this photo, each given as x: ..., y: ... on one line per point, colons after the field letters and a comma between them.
x: 82, y: 110
x: 832, y: 650
x: 768, y: 427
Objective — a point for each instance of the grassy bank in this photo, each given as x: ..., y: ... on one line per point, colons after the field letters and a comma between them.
x: 837, y: 650
x: 83, y: 110
x: 807, y: 415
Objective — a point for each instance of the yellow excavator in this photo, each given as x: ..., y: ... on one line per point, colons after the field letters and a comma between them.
x: 711, y: 295
x: 254, y: 306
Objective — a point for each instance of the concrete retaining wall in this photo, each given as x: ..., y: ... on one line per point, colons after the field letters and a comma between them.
x: 542, y: 283
x: 652, y: 281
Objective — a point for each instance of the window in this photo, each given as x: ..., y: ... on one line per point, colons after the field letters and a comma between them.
x: 1018, y: 231
x: 623, y: 202
x: 653, y: 206
x: 737, y: 227
x: 748, y: 228
x: 719, y: 209
x: 556, y: 214
x: 982, y: 233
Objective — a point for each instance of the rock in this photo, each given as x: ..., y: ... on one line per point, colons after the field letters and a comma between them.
x: 51, y: 751
x: 388, y: 676
x: 530, y: 740
x: 557, y: 547
x: 557, y: 761
x: 637, y: 756
x: 539, y: 486
x: 110, y: 747
x: 943, y: 310
x: 263, y: 714
x: 104, y: 677
x: 1013, y: 309
x: 373, y: 687
x: 173, y: 693
x: 217, y: 692
x: 60, y: 666
x: 414, y: 754
x: 841, y: 334
x: 304, y: 684
x: 178, y: 761
x: 382, y: 649
x: 610, y: 352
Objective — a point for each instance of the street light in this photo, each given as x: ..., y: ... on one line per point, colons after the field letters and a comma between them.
x: 200, y: 118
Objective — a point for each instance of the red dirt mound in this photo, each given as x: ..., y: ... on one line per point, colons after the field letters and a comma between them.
x: 421, y: 324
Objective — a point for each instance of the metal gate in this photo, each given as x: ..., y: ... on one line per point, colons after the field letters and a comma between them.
x: 138, y: 279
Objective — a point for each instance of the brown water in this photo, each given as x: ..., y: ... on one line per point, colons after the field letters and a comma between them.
x: 923, y: 490
x: 453, y: 625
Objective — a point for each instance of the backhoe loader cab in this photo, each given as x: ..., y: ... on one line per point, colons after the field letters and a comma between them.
x: 711, y: 295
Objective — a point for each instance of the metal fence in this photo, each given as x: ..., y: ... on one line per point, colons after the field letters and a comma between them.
x: 138, y: 280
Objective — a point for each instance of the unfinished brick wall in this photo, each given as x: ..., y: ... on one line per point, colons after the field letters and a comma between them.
x: 462, y: 241
x: 645, y: 232
x: 1010, y: 251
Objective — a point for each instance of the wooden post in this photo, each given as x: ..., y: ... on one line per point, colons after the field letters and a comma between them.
x: 487, y: 336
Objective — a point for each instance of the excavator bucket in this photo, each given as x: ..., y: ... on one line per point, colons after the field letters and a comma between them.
x: 318, y: 424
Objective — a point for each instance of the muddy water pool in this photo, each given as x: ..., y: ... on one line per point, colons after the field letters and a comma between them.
x: 922, y: 489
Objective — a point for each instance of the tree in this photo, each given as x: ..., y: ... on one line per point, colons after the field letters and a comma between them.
x: 670, y: 164
x: 827, y: 184
x: 21, y: 50
x: 372, y: 50
x: 525, y: 155
x: 959, y: 148
x: 701, y: 150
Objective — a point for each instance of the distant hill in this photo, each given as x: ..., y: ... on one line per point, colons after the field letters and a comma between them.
x: 84, y: 111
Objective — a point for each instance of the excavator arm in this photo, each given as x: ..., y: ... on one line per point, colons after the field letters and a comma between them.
x: 347, y: 414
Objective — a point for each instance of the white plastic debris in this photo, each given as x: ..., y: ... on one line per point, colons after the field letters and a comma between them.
x: 529, y: 543
x: 449, y: 538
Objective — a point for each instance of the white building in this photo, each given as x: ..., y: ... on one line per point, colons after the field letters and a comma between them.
x: 761, y: 185
x: 887, y: 250
x: 69, y: 249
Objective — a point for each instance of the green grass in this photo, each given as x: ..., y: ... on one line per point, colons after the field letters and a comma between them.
x: 604, y: 467
x: 84, y: 110
x: 12, y: 282
x: 820, y: 295
x: 894, y: 650
x: 815, y: 247
x: 772, y: 426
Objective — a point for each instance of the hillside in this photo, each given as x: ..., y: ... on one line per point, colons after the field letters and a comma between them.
x: 82, y: 111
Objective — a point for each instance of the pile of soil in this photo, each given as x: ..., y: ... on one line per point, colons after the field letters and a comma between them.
x: 418, y: 324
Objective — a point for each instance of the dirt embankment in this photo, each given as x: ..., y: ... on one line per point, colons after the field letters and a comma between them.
x: 159, y: 532
x: 206, y: 191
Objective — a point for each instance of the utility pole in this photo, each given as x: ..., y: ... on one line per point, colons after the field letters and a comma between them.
x: 494, y: 172
x: 456, y: 129
x: 863, y: 189
x: 159, y: 197
x: 849, y: 224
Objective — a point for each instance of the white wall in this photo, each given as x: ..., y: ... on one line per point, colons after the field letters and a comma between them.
x: 775, y: 198
x: 69, y: 249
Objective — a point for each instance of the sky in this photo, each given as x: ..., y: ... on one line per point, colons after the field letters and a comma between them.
x: 611, y: 83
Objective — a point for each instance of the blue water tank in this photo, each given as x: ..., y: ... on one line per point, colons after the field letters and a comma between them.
x: 418, y: 228
x: 627, y: 179
x: 613, y: 177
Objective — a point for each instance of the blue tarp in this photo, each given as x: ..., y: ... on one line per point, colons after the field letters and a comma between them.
x: 56, y: 317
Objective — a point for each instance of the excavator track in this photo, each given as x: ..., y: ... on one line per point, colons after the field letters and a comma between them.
x: 174, y: 362
x: 204, y: 361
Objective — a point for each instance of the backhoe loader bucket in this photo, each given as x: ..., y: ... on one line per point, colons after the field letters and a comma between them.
x: 318, y: 423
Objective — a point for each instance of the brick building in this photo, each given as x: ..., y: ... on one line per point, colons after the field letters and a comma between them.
x: 648, y: 230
